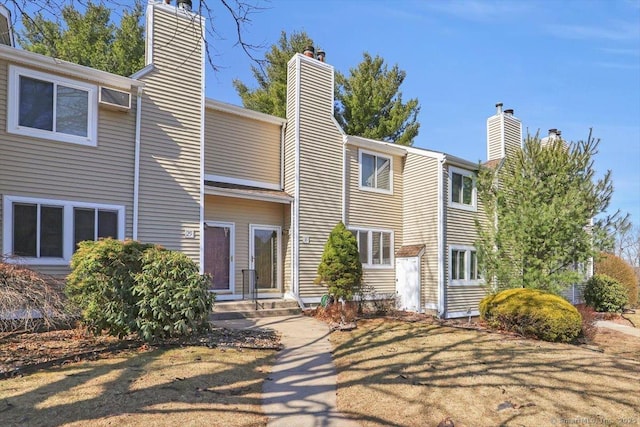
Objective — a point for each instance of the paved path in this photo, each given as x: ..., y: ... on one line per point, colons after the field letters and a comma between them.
x: 301, y: 390
x: 629, y: 330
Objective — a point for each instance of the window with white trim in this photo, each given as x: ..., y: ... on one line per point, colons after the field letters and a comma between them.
x: 47, y: 106
x: 463, y: 266
x: 375, y: 172
x: 47, y: 232
x: 375, y: 247
x: 462, y: 189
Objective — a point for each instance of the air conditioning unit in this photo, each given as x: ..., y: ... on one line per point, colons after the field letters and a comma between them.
x: 114, y: 99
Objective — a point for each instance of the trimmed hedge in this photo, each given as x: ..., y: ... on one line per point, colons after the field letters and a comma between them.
x: 605, y: 294
x: 532, y: 313
x: 618, y: 269
x: 131, y: 287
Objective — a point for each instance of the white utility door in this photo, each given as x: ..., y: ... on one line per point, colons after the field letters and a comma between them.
x: 408, y: 283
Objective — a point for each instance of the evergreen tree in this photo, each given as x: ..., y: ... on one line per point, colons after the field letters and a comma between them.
x: 340, y: 267
x: 270, y: 96
x: 369, y: 103
x: 539, y: 206
x: 89, y: 39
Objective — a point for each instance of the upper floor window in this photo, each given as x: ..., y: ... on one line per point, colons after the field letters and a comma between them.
x: 464, y: 266
x: 42, y: 231
x: 376, y: 172
x: 462, y: 189
x: 375, y: 247
x: 47, y: 106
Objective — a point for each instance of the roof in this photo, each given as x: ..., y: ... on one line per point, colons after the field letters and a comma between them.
x: 243, y: 112
x: 246, y: 192
x: 408, y: 251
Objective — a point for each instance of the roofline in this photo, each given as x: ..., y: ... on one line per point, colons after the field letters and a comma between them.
x: 243, y: 112
x: 373, y: 144
x: 463, y: 163
x: 229, y: 192
x: 67, y: 68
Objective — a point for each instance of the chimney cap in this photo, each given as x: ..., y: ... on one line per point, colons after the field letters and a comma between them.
x: 309, y: 51
x: 320, y: 55
x: 499, y: 108
x: 509, y: 111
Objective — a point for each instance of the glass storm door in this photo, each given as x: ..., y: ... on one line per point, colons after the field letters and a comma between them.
x: 264, y: 256
x: 218, y: 255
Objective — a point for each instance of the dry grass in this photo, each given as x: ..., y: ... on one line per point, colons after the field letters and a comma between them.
x: 393, y: 373
x: 188, y: 386
x: 634, y: 318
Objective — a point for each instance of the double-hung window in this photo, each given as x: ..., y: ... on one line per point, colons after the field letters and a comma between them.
x: 464, y: 266
x: 47, y: 232
x: 47, y: 106
x: 376, y: 172
x: 375, y: 247
x: 462, y: 191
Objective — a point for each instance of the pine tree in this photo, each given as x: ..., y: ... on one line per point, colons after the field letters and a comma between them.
x: 340, y: 267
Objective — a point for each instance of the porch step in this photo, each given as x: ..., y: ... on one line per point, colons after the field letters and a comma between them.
x: 227, y: 310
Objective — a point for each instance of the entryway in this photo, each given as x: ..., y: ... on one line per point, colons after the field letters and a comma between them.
x: 265, y: 255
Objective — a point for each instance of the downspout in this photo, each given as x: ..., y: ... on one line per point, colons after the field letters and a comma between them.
x: 136, y: 167
x: 282, y: 131
x: 344, y: 180
x: 296, y: 206
x: 442, y: 296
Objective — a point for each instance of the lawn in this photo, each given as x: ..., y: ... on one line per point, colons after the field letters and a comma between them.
x: 176, y: 385
x: 393, y: 373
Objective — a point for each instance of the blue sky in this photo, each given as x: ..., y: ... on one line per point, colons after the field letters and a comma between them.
x: 571, y: 65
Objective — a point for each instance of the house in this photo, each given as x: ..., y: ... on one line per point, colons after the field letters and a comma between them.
x: 250, y: 197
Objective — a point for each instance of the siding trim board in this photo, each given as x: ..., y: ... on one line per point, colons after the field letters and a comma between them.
x: 239, y: 181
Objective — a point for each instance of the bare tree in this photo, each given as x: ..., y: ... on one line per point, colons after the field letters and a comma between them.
x: 628, y: 245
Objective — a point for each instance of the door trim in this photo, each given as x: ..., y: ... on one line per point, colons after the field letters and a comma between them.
x: 232, y: 253
x: 278, y: 230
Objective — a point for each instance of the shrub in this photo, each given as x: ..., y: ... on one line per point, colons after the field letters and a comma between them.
x: 605, y: 294
x: 131, y: 287
x: 532, y: 312
x: 618, y: 269
x: 340, y: 266
x: 171, y: 296
x: 30, y: 300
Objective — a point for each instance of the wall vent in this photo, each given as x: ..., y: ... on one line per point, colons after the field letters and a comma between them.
x: 115, y: 99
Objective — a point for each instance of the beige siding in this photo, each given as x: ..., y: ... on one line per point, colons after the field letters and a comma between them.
x: 494, y: 138
x: 170, y: 173
x: 41, y: 168
x: 420, y: 218
x: 368, y: 209
x: 289, y: 170
x: 240, y: 147
x: 242, y: 213
x: 512, y: 135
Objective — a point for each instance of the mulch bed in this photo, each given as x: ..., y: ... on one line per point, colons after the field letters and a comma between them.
x: 22, y: 353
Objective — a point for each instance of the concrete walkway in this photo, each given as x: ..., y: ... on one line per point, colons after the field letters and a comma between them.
x: 629, y: 330
x: 301, y: 389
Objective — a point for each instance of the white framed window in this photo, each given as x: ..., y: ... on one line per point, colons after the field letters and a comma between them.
x: 47, y: 106
x: 463, y: 266
x: 46, y: 232
x: 376, y: 172
x: 375, y: 247
x: 462, y: 189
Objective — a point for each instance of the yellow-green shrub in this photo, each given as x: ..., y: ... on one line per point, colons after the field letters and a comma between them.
x: 618, y: 269
x: 605, y: 294
x: 531, y: 312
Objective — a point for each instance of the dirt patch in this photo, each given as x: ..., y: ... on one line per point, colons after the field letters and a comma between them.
x: 420, y: 372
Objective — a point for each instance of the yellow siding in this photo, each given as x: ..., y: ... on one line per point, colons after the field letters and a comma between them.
x: 369, y: 209
x: 242, y: 213
x: 170, y: 172
x: 240, y: 147
x: 320, y: 171
x: 41, y: 168
x: 420, y: 218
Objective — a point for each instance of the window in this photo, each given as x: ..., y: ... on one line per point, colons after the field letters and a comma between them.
x: 462, y: 189
x: 47, y: 232
x: 375, y: 172
x: 464, y: 266
x: 46, y: 106
x: 375, y: 247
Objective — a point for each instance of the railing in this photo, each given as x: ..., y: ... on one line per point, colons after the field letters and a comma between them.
x: 249, y: 287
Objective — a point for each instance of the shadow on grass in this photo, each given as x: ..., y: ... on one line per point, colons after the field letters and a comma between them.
x: 418, y: 374
x: 154, y: 388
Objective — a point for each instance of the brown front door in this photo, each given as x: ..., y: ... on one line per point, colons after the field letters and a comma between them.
x: 217, y: 256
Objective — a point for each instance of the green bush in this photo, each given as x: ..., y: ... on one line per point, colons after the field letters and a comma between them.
x: 531, y: 312
x: 605, y: 294
x: 340, y: 267
x: 171, y: 296
x: 111, y: 282
x: 618, y: 269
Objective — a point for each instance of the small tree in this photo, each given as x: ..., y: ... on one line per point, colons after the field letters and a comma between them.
x: 616, y: 268
x: 340, y: 267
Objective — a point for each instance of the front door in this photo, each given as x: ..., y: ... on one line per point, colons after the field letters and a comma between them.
x: 264, y: 257
x: 408, y: 283
x: 218, y: 254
